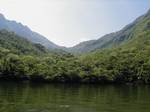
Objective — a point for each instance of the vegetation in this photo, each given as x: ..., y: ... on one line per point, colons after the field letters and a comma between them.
x: 127, y: 63
x: 25, y: 32
x: 113, y: 39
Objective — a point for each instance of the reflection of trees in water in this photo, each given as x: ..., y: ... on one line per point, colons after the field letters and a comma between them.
x: 23, y: 97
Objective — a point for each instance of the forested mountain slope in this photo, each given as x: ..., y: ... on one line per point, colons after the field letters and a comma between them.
x: 24, y: 31
x: 129, y: 62
x: 18, y: 45
x: 113, y: 39
x: 126, y: 63
x: 21, y: 59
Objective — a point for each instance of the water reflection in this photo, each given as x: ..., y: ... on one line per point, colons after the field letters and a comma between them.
x: 18, y: 97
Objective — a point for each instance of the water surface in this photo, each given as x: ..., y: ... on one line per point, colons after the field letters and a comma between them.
x: 18, y: 97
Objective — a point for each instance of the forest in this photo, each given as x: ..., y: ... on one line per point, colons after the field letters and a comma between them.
x: 125, y: 64
x: 127, y: 61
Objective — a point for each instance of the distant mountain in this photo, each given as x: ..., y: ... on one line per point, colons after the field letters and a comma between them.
x: 107, y: 41
x: 24, y: 31
x: 110, y: 40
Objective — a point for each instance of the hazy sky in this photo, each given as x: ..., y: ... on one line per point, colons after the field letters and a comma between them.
x: 68, y: 22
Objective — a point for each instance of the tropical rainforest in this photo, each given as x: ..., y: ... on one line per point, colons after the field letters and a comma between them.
x: 121, y: 57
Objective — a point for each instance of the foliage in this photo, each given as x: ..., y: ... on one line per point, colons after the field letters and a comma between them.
x: 127, y: 63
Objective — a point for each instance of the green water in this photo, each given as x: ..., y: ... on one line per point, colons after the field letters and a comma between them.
x: 17, y: 97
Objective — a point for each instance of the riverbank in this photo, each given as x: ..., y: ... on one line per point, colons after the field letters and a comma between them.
x: 62, y: 80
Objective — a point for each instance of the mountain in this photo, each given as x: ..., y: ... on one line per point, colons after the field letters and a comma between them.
x: 126, y: 61
x: 24, y: 31
x: 13, y: 43
x: 21, y: 59
x: 107, y: 41
x: 129, y: 62
x: 110, y: 40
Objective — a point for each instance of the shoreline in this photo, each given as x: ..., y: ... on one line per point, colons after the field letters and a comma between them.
x: 42, y: 81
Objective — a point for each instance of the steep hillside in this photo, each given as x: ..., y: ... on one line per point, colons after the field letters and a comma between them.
x: 18, y: 45
x: 24, y: 31
x: 129, y: 62
x: 112, y: 39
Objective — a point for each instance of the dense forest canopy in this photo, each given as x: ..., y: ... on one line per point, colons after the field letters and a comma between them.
x: 21, y: 59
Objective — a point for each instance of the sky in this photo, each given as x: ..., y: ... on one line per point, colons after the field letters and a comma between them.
x: 69, y: 22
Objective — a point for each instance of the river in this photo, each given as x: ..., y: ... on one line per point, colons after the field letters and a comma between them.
x: 25, y: 97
